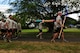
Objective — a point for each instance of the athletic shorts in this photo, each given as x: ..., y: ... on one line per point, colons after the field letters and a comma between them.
x: 3, y: 30
x: 14, y: 30
x: 40, y: 30
x: 57, y: 30
x: 10, y: 30
x: 19, y: 30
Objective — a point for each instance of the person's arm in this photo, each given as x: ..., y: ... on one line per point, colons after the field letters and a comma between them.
x: 7, y: 22
x: 20, y: 27
x: 61, y: 24
x: 0, y: 25
x: 12, y: 24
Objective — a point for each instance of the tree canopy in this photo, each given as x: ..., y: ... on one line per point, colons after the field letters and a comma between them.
x: 42, y: 9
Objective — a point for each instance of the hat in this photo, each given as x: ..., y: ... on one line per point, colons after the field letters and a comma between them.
x: 59, y: 13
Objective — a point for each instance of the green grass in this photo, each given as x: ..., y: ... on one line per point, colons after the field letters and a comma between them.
x: 32, y: 30
x: 69, y: 33
x: 45, y: 30
x: 41, y: 46
x: 72, y: 30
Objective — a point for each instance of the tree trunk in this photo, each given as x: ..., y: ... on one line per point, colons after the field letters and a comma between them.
x: 50, y: 27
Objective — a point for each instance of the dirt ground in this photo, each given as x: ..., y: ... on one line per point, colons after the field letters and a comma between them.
x: 71, y: 37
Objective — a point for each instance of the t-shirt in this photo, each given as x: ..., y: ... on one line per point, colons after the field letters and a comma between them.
x: 10, y: 23
x: 38, y: 21
x: 14, y: 25
x: 40, y: 25
x: 2, y: 25
x: 19, y: 26
x: 58, y: 18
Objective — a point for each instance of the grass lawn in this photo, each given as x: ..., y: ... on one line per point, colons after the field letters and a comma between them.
x: 44, y: 30
x: 32, y: 30
x: 74, y: 30
x: 39, y: 47
x: 18, y: 46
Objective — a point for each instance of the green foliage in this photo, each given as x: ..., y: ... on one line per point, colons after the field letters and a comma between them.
x: 24, y: 8
x: 34, y: 7
x: 70, y: 21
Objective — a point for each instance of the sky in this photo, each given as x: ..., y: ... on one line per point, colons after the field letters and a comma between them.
x: 5, y: 6
x: 74, y: 16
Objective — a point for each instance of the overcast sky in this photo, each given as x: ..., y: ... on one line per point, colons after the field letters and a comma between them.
x: 5, y: 6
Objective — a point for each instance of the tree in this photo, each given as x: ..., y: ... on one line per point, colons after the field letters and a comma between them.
x: 9, y: 10
x: 44, y: 9
x: 1, y: 15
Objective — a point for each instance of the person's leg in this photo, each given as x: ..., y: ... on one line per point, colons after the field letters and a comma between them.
x: 41, y: 35
x: 13, y: 33
x: 16, y: 34
x: 1, y: 33
x: 55, y: 35
x: 9, y: 35
x: 5, y: 34
x: 20, y: 33
x: 62, y: 36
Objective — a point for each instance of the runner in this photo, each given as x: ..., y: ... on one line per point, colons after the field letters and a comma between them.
x: 3, y: 28
x: 0, y: 28
x: 10, y: 27
x: 19, y: 29
x: 57, y: 27
x: 40, y: 30
x: 14, y: 31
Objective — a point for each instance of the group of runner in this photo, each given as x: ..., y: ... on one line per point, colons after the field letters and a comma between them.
x: 58, y: 26
x: 9, y: 28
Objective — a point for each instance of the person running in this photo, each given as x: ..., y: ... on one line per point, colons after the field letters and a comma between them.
x: 40, y: 30
x: 3, y: 28
x: 9, y: 22
x: 57, y: 27
x: 0, y: 28
x: 19, y: 28
x: 14, y: 31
